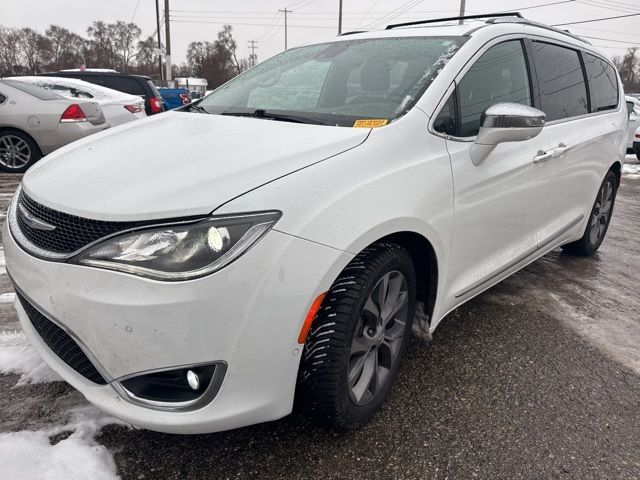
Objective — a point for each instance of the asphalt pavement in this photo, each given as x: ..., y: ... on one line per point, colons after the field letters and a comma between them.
x: 539, y: 377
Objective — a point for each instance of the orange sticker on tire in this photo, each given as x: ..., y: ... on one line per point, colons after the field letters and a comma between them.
x: 371, y: 123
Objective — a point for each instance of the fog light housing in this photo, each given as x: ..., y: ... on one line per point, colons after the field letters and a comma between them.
x: 176, y: 389
x: 193, y: 380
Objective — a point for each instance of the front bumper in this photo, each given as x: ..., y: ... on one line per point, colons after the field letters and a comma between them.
x: 247, y: 315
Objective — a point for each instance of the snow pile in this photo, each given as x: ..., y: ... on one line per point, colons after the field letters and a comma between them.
x: 18, y: 357
x: 631, y: 168
x: 30, y: 454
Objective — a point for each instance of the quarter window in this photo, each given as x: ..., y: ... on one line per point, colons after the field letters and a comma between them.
x: 603, y: 83
x: 563, y: 92
x: 2, y: 98
x: 446, y: 120
x: 124, y: 84
x: 499, y: 75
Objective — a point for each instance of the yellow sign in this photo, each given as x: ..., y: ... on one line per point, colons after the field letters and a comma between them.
x: 371, y: 123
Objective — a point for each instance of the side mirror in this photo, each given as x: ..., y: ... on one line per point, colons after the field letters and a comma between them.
x: 506, y: 122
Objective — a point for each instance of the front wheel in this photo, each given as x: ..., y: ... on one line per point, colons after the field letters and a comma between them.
x: 358, y: 339
x: 598, y: 220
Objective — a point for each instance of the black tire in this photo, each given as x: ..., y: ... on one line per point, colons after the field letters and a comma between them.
x: 24, y: 146
x: 638, y: 154
x: 588, y: 244
x: 323, y: 389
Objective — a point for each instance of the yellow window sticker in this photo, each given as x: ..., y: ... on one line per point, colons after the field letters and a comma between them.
x: 371, y: 123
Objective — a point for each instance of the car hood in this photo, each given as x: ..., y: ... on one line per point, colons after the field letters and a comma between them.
x: 178, y: 164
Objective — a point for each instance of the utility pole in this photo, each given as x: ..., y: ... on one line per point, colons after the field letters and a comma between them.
x: 285, y: 11
x: 340, y: 18
x: 253, y: 58
x: 159, y: 42
x: 167, y: 40
x: 462, y: 5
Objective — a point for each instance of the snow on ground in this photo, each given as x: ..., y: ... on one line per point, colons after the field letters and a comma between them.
x: 18, y: 357
x: 7, y: 297
x: 30, y: 455
x: 631, y: 168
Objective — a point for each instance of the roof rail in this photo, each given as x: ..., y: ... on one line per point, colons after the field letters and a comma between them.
x: 448, y: 19
x: 524, y: 21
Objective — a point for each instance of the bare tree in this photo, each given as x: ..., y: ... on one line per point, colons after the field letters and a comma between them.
x: 125, y: 42
x: 628, y: 66
x: 10, y: 58
x: 35, y: 49
x: 67, y: 48
x: 104, y: 50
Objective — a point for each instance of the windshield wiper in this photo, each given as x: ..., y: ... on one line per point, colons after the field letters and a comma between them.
x: 197, y: 108
x: 284, y: 117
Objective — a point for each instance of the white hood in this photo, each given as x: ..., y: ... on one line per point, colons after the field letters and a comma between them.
x: 178, y: 164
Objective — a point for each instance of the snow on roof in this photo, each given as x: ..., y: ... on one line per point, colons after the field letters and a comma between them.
x: 86, y: 90
x: 97, y: 70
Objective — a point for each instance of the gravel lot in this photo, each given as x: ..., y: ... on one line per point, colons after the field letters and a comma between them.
x: 537, y: 378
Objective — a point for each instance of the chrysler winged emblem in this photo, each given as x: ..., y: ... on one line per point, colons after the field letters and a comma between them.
x: 34, y: 222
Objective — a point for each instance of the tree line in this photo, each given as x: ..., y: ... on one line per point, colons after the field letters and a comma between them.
x: 118, y: 45
x: 628, y: 66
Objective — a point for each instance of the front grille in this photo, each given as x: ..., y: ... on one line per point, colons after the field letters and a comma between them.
x: 71, y: 233
x: 61, y: 343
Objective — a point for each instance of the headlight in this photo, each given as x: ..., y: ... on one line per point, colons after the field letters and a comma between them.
x: 183, y: 251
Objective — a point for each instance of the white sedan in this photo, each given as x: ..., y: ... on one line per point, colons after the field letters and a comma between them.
x: 118, y: 107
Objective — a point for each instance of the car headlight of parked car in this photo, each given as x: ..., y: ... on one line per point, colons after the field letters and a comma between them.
x: 182, y: 251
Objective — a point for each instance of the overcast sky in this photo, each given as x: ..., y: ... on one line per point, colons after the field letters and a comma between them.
x: 311, y: 20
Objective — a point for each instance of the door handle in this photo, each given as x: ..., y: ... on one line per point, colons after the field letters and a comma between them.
x: 560, y: 150
x: 542, y: 156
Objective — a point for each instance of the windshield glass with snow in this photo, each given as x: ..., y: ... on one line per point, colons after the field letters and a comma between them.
x: 345, y: 83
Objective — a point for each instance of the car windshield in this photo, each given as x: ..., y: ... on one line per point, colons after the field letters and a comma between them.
x: 371, y: 81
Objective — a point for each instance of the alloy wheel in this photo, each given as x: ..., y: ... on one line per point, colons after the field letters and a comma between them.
x: 377, y: 340
x: 14, y: 152
x: 601, y: 213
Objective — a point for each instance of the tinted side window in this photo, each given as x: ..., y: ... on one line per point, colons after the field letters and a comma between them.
x: 630, y: 107
x: 124, y: 84
x: 603, y: 83
x: 2, y: 98
x: 563, y: 92
x: 446, y: 120
x: 499, y: 75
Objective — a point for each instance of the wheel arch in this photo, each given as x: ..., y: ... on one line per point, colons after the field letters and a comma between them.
x: 425, y: 260
x: 616, y: 168
x: 19, y: 130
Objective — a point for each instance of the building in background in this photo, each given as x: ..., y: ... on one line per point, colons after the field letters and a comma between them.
x: 192, y: 84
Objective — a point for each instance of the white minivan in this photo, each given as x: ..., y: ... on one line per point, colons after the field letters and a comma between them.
x: 278, y: 252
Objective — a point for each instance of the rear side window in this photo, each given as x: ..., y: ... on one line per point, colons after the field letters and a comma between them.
x: 563, y: 92
x: 603, y: 83
x: 34, y: 90
x: 2, y: 98
x: 499, y: 75
x: 153, y: 89
x: 124, y: 84
x: 630, y: 107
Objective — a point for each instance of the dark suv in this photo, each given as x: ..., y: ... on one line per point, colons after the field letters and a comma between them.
x: 123, y: 82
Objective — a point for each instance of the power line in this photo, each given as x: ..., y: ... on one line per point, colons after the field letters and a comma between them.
x: 249, y: 24
x: 611, y: 40
x: 134, y: 11
x: 595, y: 20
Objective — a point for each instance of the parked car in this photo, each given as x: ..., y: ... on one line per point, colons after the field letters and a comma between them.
x: 118, y: 107
x: 278, y: 252
x: 174, y: 97
x: 633, y: 107
x: 122, y: 82
x: 35, y: 121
